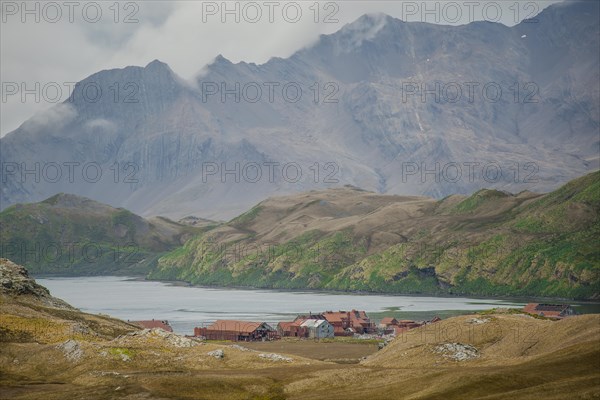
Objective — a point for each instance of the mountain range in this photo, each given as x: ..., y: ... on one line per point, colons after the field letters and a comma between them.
x: 401, y: 108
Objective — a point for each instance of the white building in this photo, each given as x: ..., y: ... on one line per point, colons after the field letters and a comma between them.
x: 318, y: 328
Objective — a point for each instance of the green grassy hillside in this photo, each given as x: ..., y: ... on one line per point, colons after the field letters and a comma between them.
x: 491, y: 243
x: 71, y: 235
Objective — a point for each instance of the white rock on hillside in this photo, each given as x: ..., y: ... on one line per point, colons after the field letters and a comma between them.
x: 457, y: 351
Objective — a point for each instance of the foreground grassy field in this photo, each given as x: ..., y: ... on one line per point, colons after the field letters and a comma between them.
x: 339, y: 351
x: 49, y: 350
x: 519, y: 357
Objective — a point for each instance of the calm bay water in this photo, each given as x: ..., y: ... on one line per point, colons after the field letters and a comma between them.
x: 187, y: 306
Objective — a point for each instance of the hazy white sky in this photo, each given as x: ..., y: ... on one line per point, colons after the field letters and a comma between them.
x: 53, y: 44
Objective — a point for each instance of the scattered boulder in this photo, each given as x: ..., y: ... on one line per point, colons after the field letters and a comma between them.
x: 72, y: 350
x: 240, y: 348
x: 170, y: 338
x: 82, y: 329
x: 477, y: 321
x: 219, y: 353
x: 457, y: 351
x: 275, y: 357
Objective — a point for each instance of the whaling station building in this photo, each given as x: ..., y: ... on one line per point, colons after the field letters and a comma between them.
x: 338, y: 323
x: 555, y: 311
x: 318, y: 328
x: 237, y: 331
x: 314, y: 326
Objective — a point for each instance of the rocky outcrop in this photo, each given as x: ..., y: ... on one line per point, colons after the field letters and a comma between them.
x: 169, y: 338
x: 219, y: 353
x: 275, y: 357
x: 15, y: 281
x: 72, y: 350
x: 457, y: 351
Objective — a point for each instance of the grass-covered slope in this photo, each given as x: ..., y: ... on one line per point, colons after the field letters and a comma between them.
x: 491, y: 243
x: 52, y: 351
x: 72, y: 235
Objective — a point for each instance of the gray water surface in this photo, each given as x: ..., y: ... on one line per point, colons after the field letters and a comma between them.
x: 187, y: 306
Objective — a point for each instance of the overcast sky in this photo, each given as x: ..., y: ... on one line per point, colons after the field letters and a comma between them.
x: 56, y: 43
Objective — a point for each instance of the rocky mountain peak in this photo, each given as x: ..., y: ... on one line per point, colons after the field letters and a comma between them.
x: 157, y: 65
x: 389, y: 94
x: 368, y: 25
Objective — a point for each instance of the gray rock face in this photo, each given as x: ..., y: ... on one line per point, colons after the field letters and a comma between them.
x: 169, y: 338
x: 457, y: 351
x: 389, y: 106
x: 72, y: 350
x: 15, y: 280
x: 219, y: 353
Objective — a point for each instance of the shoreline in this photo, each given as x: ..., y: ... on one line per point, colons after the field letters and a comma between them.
x: 177, y: 283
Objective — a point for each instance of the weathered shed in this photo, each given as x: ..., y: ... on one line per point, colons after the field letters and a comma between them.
x: 344, y: 321
x: 237, y: 331
x: 556, y: 311
x: 387, y: 322
x: 318, y: 328
x: 291, y: 328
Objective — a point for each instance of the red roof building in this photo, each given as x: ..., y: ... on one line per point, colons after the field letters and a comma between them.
x: 345, y: 322
x: 388, y: 322
x: 291, y: 328
x: 556, y: 311
x: 392, y: 325
x: 398, y: 330
x: 233, y: 330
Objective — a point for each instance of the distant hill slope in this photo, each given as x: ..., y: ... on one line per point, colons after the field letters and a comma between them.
x: 72, y: 235
x: 491, y: 243
x: 516, y: 357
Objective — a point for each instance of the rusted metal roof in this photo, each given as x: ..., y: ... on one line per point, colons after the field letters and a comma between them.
x: 548, y: 310
x: 237, y: 326
x: 286, y: 325
x: 314, y: 323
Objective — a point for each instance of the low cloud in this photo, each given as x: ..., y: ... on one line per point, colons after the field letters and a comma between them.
x: 55, y: 119
x: 101, y: 126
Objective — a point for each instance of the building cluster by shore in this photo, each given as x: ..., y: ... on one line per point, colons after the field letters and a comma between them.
x: 328, y: 324
x: 323, y: 325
